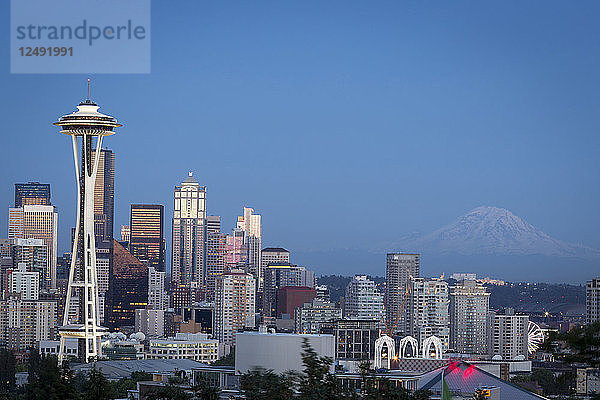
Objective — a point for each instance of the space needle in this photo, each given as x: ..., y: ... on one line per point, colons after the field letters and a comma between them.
x: 87, y: 127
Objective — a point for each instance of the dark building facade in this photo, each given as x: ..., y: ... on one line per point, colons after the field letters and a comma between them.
x: 291, y: 297
x: 147, y: 241
x: 128, y: 288
x: 32, y: 193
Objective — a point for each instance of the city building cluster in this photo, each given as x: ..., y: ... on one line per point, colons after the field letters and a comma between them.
x: 224, y: 293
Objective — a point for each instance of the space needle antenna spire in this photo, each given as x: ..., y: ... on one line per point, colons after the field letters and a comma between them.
x: 81, y: 320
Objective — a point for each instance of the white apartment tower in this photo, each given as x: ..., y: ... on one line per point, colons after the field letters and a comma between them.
x: 37, y: 222
x: 592, y: 301
x: 24, y: 282
x: 469, y: 308
x: 400, y: 269
x: 234, y: 304
x: 189, y: 233
x: 250, y: 224
x: 428, y: 313
x: 363, y: 300
x: 158, y: 299
x: 508, y: 335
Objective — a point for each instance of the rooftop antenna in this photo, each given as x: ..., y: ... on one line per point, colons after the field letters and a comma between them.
x: 88, y: 91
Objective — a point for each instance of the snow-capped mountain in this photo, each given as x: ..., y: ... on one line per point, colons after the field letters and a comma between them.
x: 494, y: 231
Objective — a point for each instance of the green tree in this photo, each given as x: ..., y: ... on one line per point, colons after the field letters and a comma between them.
x: 97, y: 387
x: 228, y: 360
x: 317, y: 383
x: 204, y: 390
x: 49, y: 381
x: 259, y: 383
x: 168, y: 392
x: 8, y: 366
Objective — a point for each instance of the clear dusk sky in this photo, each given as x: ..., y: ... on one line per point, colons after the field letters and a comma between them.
x: 346, y: 124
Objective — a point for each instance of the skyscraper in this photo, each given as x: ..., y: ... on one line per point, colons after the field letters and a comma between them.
x: 273, y: 255
x: 280, y: 275
x: 363, y: 300
x: 216, y: 250
x: 189, y: 233
x: 234, y: 304
x: 157, y: 292
x: 250, y: 224
x: 128, y: 289
x: 400, y: 268
x: 592, y: 301
x: 32, y: 193
x: 469, y: 308
x: 147, y: 242
x: 428, y: 313
x: 37, y: 222
x: 104, y: 196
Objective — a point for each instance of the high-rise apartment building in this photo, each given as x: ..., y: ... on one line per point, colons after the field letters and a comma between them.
x: 234, y: 304
x: 32, y: 252
x: 158, y: 298
x: 24, y: 323
x: 469, y: 308
x: 37, y: 222
x: 104, y: 196
x: 280, y: 275
x: 250, y: 224
x: 400, y: 269
x: 508, y: 334
x: 147, y: 241
x: 24, y: 282
x: 428, y: 313
x: 592, y: 301
x: 363, y: 300
x: 189, y: 233
x: 32, y: 193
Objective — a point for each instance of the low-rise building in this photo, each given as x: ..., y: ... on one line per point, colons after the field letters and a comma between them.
x: 192, y: 346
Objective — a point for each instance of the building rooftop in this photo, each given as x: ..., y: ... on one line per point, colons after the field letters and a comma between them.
x: 275, y: 250
x: 118, y: 369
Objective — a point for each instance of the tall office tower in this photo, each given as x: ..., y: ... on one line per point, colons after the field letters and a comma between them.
x: 189, y: 233
x: 32, y: 193
x: 27, y: 284
x: 147, y: 240
x: 125, y: 233
x: 91, y: 126
x: 213, y: 223
x: 236, y: 255
x: 37, y: 222
x: 592, y: 301
x: 280, y: 275
x: 157, y: 291
x: 234, y: 304
x: 104, y: 196
x: 273, y: 255
x: 469, y: 308
x: 428, y: 313
x: 216, y: 250
x: 128, y: 289
x: 24, y: 323
x: 250, y: 223
x: 400, y: 269
x: 104, y: 261
x: 363, y: 300
x: 508, y: 335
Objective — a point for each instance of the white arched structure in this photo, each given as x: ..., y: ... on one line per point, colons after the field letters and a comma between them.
x: 382, y: 341
x: 437, y: 347
x: 409, y: 340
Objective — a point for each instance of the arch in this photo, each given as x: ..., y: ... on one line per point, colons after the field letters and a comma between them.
x: 387, y: 341
x: 409, y: 340
x: 437, y: 347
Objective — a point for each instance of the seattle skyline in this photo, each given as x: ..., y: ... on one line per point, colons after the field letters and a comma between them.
x: 335, y: 121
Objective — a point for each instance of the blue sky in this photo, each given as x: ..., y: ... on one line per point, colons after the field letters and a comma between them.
x: 345, y: 124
